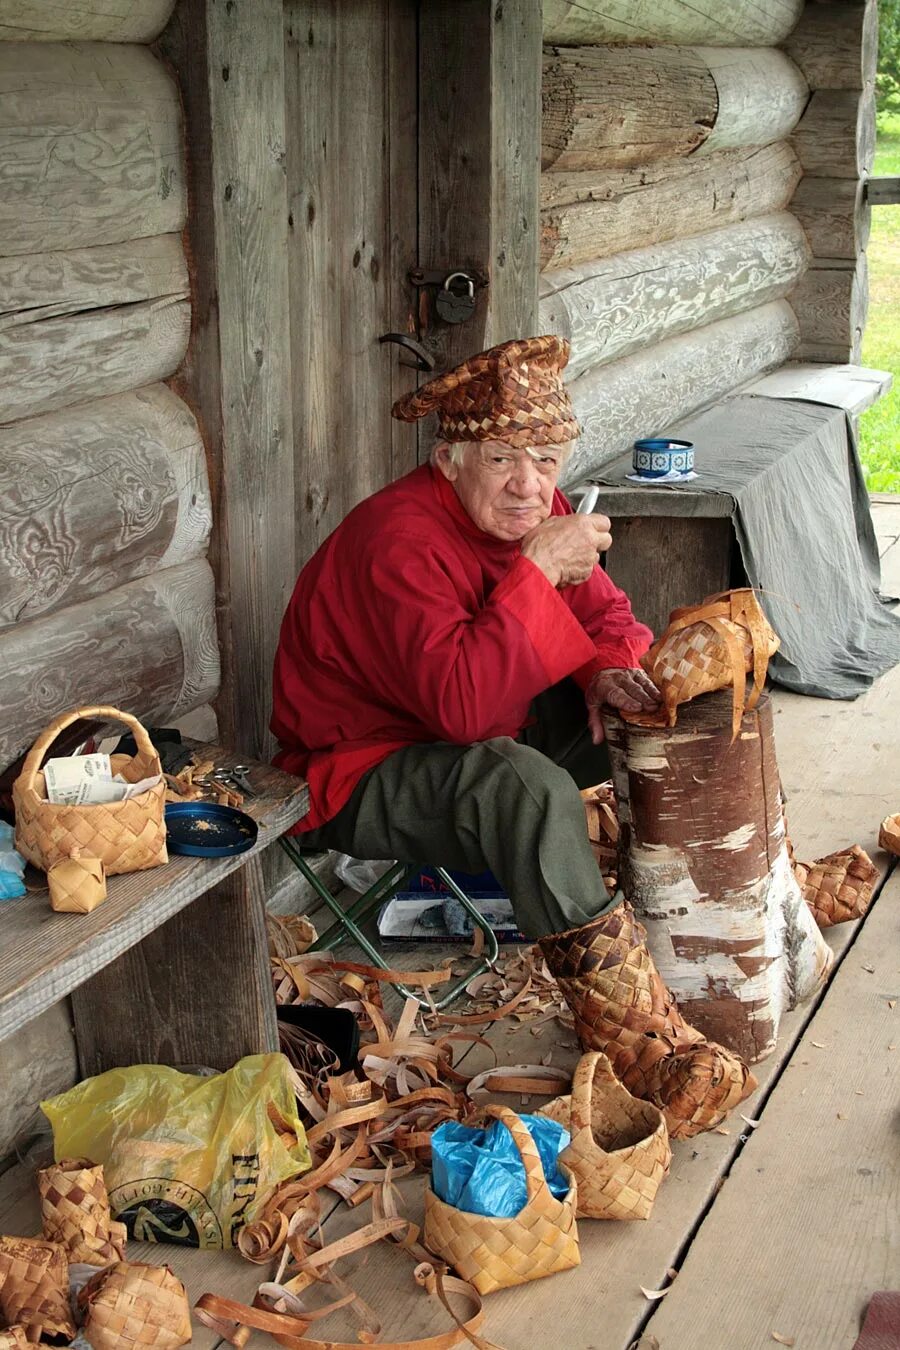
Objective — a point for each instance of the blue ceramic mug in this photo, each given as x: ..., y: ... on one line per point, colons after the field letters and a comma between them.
x: 661, y: 455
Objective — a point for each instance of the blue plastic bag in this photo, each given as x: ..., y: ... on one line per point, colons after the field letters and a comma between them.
x: 12, y: 865
x: 480, y: 1170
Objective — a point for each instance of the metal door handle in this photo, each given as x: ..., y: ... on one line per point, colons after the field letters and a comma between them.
x: 424, y: 360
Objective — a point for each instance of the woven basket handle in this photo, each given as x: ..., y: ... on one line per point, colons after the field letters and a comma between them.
x: 590, y: 1066
x: 535, y: 1180
x: 98, y: 713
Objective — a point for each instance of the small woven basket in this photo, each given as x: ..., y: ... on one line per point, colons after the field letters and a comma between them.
x: 494, y: 1254
x: 839, y: 888
x: 131, y: 1304
x: 75, y: 1212
x: 14, y: 1338
x: 889, y: 835
x: 34, y: 1288
x: 620, y: 1151
x: 710, y: 646
x: 125, y: 836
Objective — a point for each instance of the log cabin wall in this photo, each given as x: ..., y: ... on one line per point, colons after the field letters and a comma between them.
x: 105, y: 592
x: 701, y: 199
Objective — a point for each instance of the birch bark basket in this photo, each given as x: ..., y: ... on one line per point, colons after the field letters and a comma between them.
x: 705, y: 865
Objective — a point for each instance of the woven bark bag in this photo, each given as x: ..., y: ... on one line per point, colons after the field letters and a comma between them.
x: 839, y: 887
x: 889, y: 835
x: 125, y: 836
x: 131, y: 1304
x: 494, y: 1254
x: 706, y: 867
x: 77, y: 885
x: 710, y: 646
x: 34, y: 1289
x: 75, y: 1212
x: 620, y: 1151
x: 14, y: 1338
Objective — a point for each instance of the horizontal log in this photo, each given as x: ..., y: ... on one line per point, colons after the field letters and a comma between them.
x: 97, y: 495
x: 83, y: 20
x: 616, y: 306
x: 148, y: 647
x: 883, y: 191
x: 615, y: 107
x: 836, y: 45
x: 835, y: 137
x: 836, y: 214
x: 761, y: 96
x: 752, y: 23
x: 646, y: 393
x: 831, y: 304
x: 605, y: 211
x: 90, y: 147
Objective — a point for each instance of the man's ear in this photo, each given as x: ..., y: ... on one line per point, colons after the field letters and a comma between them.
x: 442, y: 460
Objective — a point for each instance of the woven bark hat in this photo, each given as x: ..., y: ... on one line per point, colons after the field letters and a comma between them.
x: 513, y: 393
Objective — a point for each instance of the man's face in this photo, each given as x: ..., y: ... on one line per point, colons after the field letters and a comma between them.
x: 506, y: 492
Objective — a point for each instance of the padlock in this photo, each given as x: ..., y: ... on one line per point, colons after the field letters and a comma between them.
x: 455, y: 306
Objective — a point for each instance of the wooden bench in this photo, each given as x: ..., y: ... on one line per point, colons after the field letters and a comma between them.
x: 173, y: 967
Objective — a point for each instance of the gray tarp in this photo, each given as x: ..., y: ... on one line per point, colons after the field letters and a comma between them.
x: 802, y: 520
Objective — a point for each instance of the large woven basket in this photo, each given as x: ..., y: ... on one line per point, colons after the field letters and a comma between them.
x: 620, y: 1151
x: 125, y: 836
x: 75, y: 1212
x: 494, y: 1254
x: 34, y: 1288
x: 131, y: 1304
x: 713, y: 645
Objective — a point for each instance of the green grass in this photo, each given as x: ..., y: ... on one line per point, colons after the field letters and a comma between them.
x: 880, y: 426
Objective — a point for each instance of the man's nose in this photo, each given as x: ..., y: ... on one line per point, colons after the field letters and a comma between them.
x: 525, y: 480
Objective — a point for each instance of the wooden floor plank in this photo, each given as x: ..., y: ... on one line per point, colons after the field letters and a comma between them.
x: 807, y: 1227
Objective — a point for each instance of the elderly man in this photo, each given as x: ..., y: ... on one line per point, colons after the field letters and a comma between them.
x: 438, y: 682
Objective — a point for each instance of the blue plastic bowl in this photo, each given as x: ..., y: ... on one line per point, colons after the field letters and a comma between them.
x: 661, y: 455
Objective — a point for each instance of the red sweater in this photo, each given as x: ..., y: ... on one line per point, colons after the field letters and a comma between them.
x: 411, y: 624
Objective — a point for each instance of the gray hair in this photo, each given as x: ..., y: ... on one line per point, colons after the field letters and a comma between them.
x: 457, y: 451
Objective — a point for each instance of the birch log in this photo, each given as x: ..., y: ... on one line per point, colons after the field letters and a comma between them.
x: 595, y: 214
x: 615, y: 107
x: 836, y: 215
x: 835, y: 137
x: 754, y: 23
x: 90, y: 147
x: 643, y: 394
x: 761, y: 96
x: 618, y: 107
x: 149, y: 647
x: 611, y: 308
x: 836, y: 45
x: 831, y: 305
x: 84, y: 20
x: 95, y: 496
x: 706, y: 867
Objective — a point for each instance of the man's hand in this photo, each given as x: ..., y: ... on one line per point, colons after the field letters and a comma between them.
x: 565, y: 548
x: 627, y: 690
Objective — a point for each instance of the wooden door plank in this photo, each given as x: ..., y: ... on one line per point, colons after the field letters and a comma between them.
x: 806, y: 1230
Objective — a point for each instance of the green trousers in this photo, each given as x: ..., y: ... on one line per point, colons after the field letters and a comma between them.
x: 509, y: 805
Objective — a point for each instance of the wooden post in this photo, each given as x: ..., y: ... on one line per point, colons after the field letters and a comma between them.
x: 479, y: 162
x: 229, y: 59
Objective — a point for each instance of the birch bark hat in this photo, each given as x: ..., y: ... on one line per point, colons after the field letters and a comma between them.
x: 513, y: 393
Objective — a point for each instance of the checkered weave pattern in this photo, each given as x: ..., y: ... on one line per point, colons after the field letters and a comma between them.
x: 34, y: 1288
x: 620, y: 1151
x: 125, y: 836
x: 14, y: 1338
x: 838, y: 887
x: 713, y: 645
x: 513, y: 393
x: 75, y: 1212
x: 494, y: 1254
x: 623, y: 1009
x: 134, y: 1305
x: 889, y: 835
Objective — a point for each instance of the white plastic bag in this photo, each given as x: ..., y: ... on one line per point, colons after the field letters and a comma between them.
x: 359, y: 873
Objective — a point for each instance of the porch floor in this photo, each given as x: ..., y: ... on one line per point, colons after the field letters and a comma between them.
x: 779, y: 1231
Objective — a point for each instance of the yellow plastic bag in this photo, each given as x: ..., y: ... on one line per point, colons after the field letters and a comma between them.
x: 186, y: 1159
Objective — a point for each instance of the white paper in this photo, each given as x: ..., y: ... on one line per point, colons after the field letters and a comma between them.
x: 87, y: 780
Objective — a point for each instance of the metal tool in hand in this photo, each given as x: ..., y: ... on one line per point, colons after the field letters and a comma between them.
x: 589, y: 500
